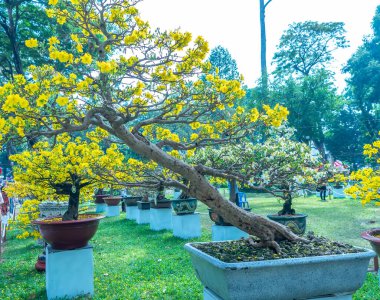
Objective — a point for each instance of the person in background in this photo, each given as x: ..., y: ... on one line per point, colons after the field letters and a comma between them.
x: 322, y: 191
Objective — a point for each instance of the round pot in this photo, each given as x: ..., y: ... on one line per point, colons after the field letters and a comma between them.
x: 165, y: 203
x: 143, y: 205
x: 131, y: 201
x: 184, y: 206
x: 100, y: 198
x: 112, y: 201
x: 218, y: 220
x: 369, y: 235
x: 296, y: 223
x: 64, y: 235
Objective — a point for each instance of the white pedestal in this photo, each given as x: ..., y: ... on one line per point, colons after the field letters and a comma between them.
x: 143, y: 216
x: 339, y: 193
x: 113, y: 211
x: 226, y: 233
x: 160, y: 218
x: 209, y: 295
x: 132, y: 212
x: 69, y: 273
x: 101, y: 207
x: 187, y: 226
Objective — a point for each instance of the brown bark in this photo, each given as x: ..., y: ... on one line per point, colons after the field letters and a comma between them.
x: 267, y: 231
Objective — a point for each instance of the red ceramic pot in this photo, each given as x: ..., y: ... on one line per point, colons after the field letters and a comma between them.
x: 370, y: 235
x: 100, y: 198
x: 65, y: 235
x: 112, y: 201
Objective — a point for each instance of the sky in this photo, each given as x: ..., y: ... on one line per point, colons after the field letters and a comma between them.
x: 235, y: 25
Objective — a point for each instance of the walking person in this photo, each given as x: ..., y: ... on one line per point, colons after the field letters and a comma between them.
x: 322, y: 191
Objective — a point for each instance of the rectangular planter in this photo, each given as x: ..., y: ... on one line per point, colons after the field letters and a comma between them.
x: 282, y: 279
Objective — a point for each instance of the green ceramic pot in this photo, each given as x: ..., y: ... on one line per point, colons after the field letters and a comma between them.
x: 297, y: 222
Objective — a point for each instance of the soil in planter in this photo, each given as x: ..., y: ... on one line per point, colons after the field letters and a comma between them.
x: 242, y: 251
x: 59, y: 219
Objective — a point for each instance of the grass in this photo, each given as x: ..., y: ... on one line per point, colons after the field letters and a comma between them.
x: 133, y: 262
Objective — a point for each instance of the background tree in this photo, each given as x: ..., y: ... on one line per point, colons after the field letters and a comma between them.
x: 364, y: 76
x: 20, y: 20
x: 137, y: 97
x: 312, y: 101
x: 263, y: 45
x: 308, y: 46
x: 302, y: 79
x: 221, y: 60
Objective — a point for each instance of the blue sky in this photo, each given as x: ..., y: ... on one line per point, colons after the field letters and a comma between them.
x: 235, y: 24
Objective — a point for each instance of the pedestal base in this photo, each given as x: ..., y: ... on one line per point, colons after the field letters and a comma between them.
x: 143, y: 216
x: 209, y: 295
x: 160, y: 218
x: 132, y: 213
x: 187, y: 226
x: 101, y: 207
x: 113, y: 211
x: 226, y: 233
x: 69, y: 273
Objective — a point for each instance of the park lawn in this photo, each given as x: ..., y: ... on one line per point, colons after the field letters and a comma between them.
x: 133, y: 262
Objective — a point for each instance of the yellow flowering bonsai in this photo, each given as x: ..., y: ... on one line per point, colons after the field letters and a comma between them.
x: 150, y: 90
x: 71, y: 168
x: 367, y: 180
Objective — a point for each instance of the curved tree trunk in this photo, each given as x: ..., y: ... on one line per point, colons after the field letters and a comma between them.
x: 267, y: 231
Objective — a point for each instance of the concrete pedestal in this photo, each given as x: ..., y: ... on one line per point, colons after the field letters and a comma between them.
x: 160, y: 218
x: 209, y: 295
x: 226, y: 233
x: 101, y: 207
x: 69, y: 273
x: 113, y: 211
x: 339, y: 193
x: 187, y: 226
x: 143, y: 216
x: 131, y: 213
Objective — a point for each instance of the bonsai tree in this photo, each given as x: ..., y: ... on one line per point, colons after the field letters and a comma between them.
x: 71, y: 168
x: 279, y: 166
x: 367, y: 186
x: 144, y: 87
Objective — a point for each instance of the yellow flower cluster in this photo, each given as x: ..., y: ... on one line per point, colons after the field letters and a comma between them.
x: 275, y: 116
x: 28, y: 212
x: 31, y: 43
x: 367, y: 186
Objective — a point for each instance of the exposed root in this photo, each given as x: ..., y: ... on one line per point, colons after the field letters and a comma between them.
x: 265, y: 244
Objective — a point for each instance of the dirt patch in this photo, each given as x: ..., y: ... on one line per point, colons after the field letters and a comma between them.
x: 242, y: 251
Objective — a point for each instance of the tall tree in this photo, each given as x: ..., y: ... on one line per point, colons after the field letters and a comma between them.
x: 221, y: 59
x: 263, y: 44
x: 312, y: 101
x: 363, y: 84
x: 307, y: 46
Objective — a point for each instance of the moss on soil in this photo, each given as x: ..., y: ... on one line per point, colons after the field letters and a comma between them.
x: 242, y: 251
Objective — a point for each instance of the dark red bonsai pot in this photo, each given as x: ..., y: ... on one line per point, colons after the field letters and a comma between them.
x: 112, y: 200
x: 65, y: 235
x: 373, y: 236
x: 99, y: 199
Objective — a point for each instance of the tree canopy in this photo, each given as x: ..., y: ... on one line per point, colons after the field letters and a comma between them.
x: 138, y: 85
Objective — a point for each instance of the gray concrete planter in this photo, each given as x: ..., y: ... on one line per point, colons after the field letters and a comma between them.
x: 283, y: 279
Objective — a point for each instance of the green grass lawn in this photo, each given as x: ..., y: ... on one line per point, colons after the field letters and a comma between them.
x: 133, y: 262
